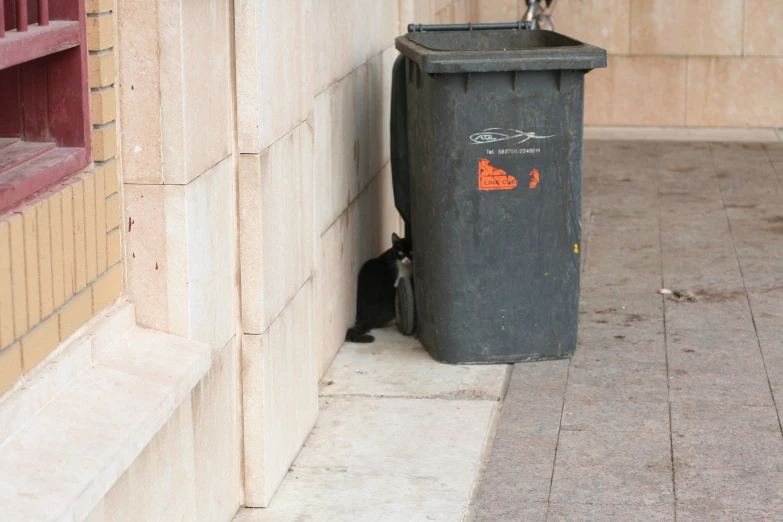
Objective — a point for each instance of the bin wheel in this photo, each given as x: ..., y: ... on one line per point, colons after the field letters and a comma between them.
x: 406, y: 313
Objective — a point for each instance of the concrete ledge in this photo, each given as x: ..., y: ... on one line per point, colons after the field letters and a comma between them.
x: 36, y: 389
x: 85, y: 432
x: 743, y: 135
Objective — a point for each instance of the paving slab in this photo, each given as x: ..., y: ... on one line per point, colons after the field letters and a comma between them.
x: 612, y: 485
x: 617, y: 376
x: 574, y: 512
x: 513, y: 511
x: 737, y: 449
x: 729, y: 489
x: 697, y: 514
x: 642, y: 450
x: 621, y: 415
x: 384, y: 460
x: 537, y: 381
x: 398, y: 366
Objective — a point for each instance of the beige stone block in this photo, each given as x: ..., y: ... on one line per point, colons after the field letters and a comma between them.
x: 180, y: 246
x: 361, y: 232
x: 102, y: 71
x: 735, y: 92
x: 280, y: 396
x: 97, y: 514
x: 6, y: 289
x: 211, y: 256
x: 348, y: 34
x: 100, y: 221
x: 498, y: 11
x: 145, y: 208
x: 433, y: 11
x: 10, y: 366
x: 99, y: 6
x: 274, y: 69
x: 100, y: 32
x: 276, y: 226
x: 32, y: 273
x: 710, y: 134
x: 113, y: 214
x: 165, y: 465
x: 698, y: 27
x: 194, y: 458
x: 603, y: 23
x: 39, y: 342
x: 45, y: 261
x: 18, y: 277
x: 763, y: 20
x: 195, y: 65
x: 413, y: 11
x: 336, y: 277
x: 90, y: 230
x: 111, y: 180
x: 104, y: 142
x: 113, y: 247
x: 69, y: 255
x: 140, y: 91
x: 379, y: 107
x: 58, y: 261
x: 75, y: 313
x: 107, y: 288
x: 175, y: 80
x: 103, y: 105
x: 79, y: 237
x: 217, y: 435
x: 342, y: 123
x: 636, y: 90
x: 458, y: 12
x: 379, y: 213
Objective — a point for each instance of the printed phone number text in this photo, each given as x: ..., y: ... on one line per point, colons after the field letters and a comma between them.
x: 501, y: 152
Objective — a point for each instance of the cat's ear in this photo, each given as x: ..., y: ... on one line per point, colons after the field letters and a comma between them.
x: 395, y: 238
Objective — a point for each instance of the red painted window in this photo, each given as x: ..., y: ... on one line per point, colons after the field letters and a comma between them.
x: 44, y: 112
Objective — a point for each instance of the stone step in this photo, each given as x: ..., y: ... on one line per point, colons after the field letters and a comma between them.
x: 64, y: 459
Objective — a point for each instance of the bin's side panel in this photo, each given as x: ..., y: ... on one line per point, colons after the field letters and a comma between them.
x: 496, y: 165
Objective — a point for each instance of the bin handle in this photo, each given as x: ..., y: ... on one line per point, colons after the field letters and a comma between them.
x: 421, y: 28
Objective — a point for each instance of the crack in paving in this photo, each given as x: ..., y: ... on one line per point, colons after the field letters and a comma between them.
x: 666, y: 345
x: 744, y: 284
x: 585, y: 249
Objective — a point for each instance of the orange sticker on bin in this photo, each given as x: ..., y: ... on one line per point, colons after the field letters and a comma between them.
x: 491, y: 178
x: 535, y: 177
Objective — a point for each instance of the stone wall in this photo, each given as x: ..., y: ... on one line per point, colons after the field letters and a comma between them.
x: 179, y: 161
x: 696, y: 63
x: 315, y: 200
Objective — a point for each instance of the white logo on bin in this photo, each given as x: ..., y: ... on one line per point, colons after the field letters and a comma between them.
x: 494, y: 135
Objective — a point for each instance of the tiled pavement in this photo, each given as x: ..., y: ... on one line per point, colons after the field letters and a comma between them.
x: 669, y: 410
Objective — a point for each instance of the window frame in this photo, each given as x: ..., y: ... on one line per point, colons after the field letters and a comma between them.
x: 44, y: 96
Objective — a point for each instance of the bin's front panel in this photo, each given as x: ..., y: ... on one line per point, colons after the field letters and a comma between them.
x: 496, y: 166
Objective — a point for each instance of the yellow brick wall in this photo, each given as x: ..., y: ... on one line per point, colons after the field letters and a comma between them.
x: 695, y: 63
x: 60, y: 252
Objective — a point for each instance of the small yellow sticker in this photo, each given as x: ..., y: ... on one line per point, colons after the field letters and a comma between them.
x: 576, y: 248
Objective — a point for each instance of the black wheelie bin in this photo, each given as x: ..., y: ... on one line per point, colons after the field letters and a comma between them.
x: 486, y: 128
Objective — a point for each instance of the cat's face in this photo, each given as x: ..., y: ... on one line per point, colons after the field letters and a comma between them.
x: 403, y: 249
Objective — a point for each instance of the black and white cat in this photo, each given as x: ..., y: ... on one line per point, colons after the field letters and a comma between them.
x: 375, y: 291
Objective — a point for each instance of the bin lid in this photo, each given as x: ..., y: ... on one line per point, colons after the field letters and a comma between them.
x: 498, y: 50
